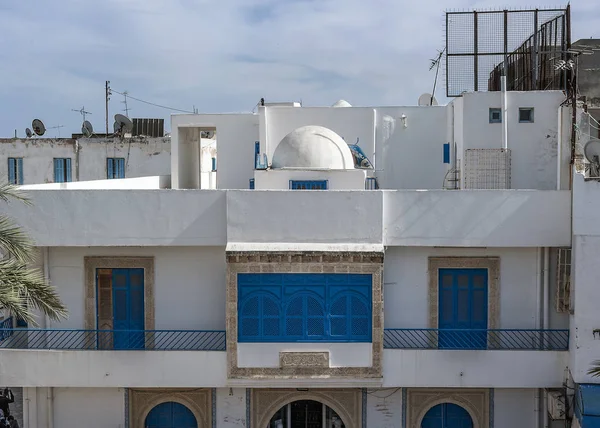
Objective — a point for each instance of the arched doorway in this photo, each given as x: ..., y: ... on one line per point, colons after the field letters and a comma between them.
x: 447, y: 415
x: 306, y: 414
x: 170, y: 415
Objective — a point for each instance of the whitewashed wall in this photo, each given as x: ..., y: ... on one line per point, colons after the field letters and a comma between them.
x: 89, y: 407
x: 337, y: 180
x: 384, y: 408
x: 189, y: 284
x: 406, y: 285
x: 231, y: 408
x: 143, y: 157
x: 515, y: 408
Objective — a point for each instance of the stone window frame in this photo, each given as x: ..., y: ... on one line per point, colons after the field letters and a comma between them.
x: 198, y: 401
x: 93, y: 263
x: 492, y: 264
x: 347, y: 403
x: 474, y: 400
x: 304, y: 262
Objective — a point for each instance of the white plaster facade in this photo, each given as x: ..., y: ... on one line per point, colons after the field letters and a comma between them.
x: 189, y: 223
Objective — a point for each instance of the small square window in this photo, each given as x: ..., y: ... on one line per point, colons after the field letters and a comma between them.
x: 495, y: 115
x: 526, y: 115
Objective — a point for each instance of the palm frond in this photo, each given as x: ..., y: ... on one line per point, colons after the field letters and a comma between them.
x: 23, y: 289
x: 9, y: 191
x: 15, y: 242
x: 595, y: 370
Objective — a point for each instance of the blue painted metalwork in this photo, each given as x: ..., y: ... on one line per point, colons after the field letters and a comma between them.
x: 371, y: 183
x: 308, y: 184
x: 446, y: 152
x: 6, y: 328
x: 495, y: 115
x: 587, y: 405
x: 447, y: 415
x: 62, y: 170
x: 115, y: 168
x: 428, y: 338
x: 88, y: 340
x: 15, y: 170
x: 170, y: 415
x: 304, y: 307
x: 463, y: 304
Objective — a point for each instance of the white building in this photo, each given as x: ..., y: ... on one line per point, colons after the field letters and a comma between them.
x: 408, y: 306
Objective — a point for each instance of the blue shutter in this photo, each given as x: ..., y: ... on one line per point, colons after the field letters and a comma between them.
x: 446, y: 152
x: 12, y: 179
x: 251, y: 184
x: 68, y: 168
x: 20, y: 170
x: 59, y: 174
x: 214, y: 163
x: 121, y: 168
x: 109, y: 168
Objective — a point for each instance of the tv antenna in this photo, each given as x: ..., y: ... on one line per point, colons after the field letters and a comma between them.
x: 82, y: 112
x: 57, y: 127
x: 126, y: 110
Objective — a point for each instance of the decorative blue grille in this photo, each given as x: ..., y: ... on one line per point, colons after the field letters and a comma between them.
x: 308, y: 184
x: 304, y: 307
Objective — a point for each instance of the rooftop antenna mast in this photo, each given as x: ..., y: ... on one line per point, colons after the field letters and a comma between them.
x: 58, y: 128
x: 82, y: 112
x: 126, y: 110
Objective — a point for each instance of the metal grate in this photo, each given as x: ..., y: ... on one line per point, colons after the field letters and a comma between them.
x: 563, y: 280
x: 479, y: 43
x: 154, y: 340
x: 487, y: 169
x: 148, y: 127
x: 431, y: 338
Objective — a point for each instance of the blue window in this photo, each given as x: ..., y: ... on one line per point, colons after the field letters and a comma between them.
x: 371, y: 183
x: 308, y: 184
x: 15, y: 170
x: 213, y: 163
x: 495, y: 115
x: 278, y: 307
x: 170, y: 415
x: 115, y: 168
x: 62, y: 170
x: 463, y: 308
x: 446, y: 152
x: 447, y: 415
x: 526, y: 115
x: 251, y: 184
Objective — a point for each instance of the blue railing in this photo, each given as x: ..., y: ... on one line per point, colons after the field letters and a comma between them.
x: 507, y: 339
x: 6, y: 328
x: 151, y: 340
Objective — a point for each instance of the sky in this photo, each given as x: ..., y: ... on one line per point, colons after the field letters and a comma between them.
x: 221, y: 56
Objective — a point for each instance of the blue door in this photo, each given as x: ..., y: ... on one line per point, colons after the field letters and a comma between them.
x: 447, y: 415
x: 170, y: 415
x: 463, y: 309
x: 128, y: 308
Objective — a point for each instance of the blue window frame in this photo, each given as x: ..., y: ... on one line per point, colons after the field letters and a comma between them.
x: 62, y: 170
x: 115, y: 168
x: 251, y: 184
x: 495, y: 115
x: 308, y: 184
x: 463, y: 308
x: 278, y: 307
x: 15, y: 170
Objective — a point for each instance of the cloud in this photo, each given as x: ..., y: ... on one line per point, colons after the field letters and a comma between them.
x: 220, y: 56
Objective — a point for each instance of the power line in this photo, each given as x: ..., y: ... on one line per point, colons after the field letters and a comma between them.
x: 149, y: 103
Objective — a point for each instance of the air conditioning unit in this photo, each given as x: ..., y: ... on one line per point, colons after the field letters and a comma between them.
x: 556, y: 405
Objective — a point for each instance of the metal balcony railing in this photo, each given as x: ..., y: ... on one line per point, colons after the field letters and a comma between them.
x: 104, y: 340
x: 500, y: 339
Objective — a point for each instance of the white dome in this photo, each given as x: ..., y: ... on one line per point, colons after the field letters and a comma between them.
x: 342, y: 103
x: 313, y: 147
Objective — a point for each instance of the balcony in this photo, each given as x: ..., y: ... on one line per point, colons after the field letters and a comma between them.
x: 474, y: 339
x: 423, y: 358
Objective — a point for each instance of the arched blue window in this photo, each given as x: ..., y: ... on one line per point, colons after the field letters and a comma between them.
x: 350, y: 317
x: 260, y: 316
x: 305, y: 318
x: 170, y: 415
x: 447, y: 415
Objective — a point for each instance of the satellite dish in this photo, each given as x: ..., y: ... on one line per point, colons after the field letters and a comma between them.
x: 87, y: 129
x: 116, y: 127
x: 426, y: 100
x: 125, y: 124
x: 28, y: 132
x: 38, y: 127
x: 591, y: 150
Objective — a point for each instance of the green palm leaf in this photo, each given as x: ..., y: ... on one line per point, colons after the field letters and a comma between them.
x: 595, y: 370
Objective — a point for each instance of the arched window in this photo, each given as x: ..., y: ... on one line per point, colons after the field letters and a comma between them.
x: 447, y: 415
x: 170, y: 415
x: 259, y: 317
x: 350, y: 317
x: 305, y: 317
